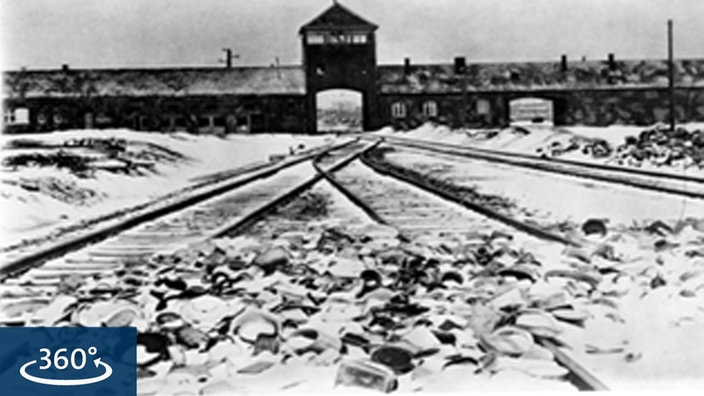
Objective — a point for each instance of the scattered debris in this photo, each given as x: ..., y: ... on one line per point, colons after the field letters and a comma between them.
x: 333, y: 305
x: 394, y: 316
x: 594, y: 226
x: 63, y: 190
x: 83, y: 157
x: 657, y: 146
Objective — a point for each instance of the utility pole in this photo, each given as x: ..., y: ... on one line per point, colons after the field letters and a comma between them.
x: 229, y: 57
x: 671, y: 74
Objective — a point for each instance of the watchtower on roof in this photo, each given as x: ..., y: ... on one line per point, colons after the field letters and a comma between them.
x: 338, y: 17
x: 339, y: 52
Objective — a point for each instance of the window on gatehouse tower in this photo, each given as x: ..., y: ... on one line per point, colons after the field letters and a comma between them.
x: 315, y: 38
x: 336, y: 37
x: 359, y: 38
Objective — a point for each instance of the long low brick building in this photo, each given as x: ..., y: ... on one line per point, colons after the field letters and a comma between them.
x: 339, y: 52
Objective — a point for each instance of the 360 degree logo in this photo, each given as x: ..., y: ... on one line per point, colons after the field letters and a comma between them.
x: 77, y: 361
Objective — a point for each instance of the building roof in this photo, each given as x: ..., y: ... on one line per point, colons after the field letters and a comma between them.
x: 391, y: 79
x: 442, y: 79
x: 338, y: 17
x: 155, y: 82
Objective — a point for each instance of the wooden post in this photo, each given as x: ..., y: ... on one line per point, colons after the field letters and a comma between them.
x: 228, y: 58
x: 671, y: 74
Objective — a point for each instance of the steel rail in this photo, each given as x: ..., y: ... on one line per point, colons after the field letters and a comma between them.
x: 35, y: 258
x: 328, y: 175
x: 578, y: 375
x: 257, y: 214
x: 573, y: 168
x: 425, y: 185
x: 610, y: 168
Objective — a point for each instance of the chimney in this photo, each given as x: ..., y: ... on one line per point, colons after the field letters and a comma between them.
x: 64, y: 67
x: 612, y: 61
x: 563, y: 63
x: 407, y: 66
x: 460, y: 65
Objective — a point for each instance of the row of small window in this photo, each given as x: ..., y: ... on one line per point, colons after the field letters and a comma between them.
x: 210, y: 121
x: 400, y: 110
x: 336, y: 38
x: 19, y: 115
x: 430, y: 108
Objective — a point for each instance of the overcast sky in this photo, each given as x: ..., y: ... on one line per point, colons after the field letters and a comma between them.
x: 134, y: 33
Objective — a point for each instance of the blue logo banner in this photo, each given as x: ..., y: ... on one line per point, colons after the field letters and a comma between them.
x: 53, y: 361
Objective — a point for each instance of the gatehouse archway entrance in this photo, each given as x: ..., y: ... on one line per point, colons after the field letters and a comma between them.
x: 339, y: 53
x: 339, y: 110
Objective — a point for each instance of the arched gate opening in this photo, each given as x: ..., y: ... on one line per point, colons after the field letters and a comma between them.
x: 339, y: 110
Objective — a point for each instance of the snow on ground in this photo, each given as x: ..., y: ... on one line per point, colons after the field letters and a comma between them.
x: 661, y: 321
x: 555, y: 198
x: 653, y: 343
x: 647, y: 342
x: 29, y: 214
x: 536, y: 139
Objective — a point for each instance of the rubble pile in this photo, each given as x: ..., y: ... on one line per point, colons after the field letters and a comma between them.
x: 657, y: 146
x: 661, y: 147
x: 63, y: 190
x: 82, y: 157
x: 332, y: 308
x: 595, y: 148
x: 76, y: 164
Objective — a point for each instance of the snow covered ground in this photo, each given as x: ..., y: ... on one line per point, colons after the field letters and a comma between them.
x: 655, y: 284
x: 550, y: 198
x: 539, y: 138
x: 179, y: 159
x: 643, y: 320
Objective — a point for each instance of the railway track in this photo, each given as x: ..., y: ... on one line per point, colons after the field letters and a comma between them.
x: 417, y: 210
x: 21, y: 259
x: 196, y: 216
x: 676, y: 184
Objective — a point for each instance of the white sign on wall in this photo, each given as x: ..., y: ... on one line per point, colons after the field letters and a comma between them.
x: 531, y: 110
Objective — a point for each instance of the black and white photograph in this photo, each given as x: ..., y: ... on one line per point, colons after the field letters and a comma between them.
x: 226, y: 197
